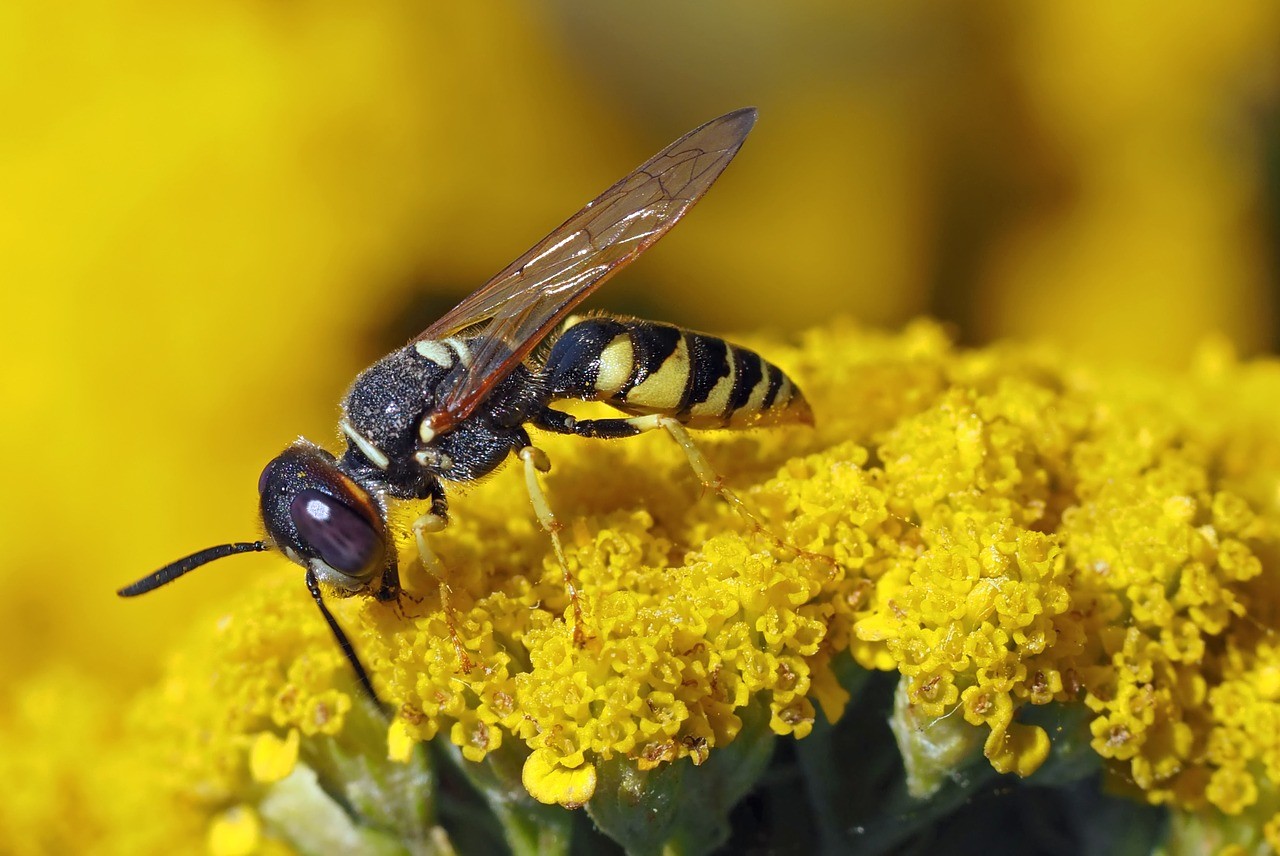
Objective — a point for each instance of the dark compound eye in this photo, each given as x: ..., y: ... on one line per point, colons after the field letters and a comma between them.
x: 342, y: 539
x: 262, y: 479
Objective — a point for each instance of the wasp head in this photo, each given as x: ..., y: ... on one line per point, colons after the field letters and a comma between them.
x: 321, y: 518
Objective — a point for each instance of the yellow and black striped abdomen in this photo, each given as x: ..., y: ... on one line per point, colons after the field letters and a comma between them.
x: 642, y: 367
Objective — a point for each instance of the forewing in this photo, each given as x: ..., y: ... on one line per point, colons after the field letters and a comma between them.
x: 526, y: 301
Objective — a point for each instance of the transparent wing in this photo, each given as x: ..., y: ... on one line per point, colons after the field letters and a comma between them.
x: 526, y: 301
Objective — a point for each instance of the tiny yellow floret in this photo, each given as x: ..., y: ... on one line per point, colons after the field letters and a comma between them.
x: 235, y: 832
x: 549, y: 781
x: 271, y: 758
x: 1002, y: 529
x: 1020, y: 749
x: 400, y: 741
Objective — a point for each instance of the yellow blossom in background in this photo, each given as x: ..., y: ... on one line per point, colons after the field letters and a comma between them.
x: 1156, y: 123
x: 214, y: 216
x: 209, y: 211
x: 214, y: 213
x: 1099, y: 173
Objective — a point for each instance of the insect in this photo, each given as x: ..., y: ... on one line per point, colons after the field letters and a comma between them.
x: 454, y: 403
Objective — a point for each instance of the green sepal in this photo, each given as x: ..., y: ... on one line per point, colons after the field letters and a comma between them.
x: 345, y: 796
x: 529, y: 827
x: 862, y: 806
x: 935, y: 750
x: 388, y: 796
x: 856, y: 778
x: 637, y: 808
x: 678, y: 808
x: 1071, y: 757
x: 300, y: 811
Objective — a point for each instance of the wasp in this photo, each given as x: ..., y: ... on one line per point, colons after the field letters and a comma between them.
x: 453, y: 404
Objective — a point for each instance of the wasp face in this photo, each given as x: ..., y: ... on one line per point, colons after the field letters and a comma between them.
x: 321, y: 518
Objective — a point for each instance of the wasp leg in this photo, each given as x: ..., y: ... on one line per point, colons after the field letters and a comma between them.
x: 595, y: 429
x: 535, y: 461
x: 390, y: 586
x: 713, y: 480
x: 435, y: 521
x: 554, y: 420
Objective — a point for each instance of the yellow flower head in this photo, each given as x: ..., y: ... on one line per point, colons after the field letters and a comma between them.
x: 1005, y: 530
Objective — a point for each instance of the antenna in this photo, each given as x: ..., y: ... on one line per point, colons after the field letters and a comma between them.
x: 172, y: 571
x: 343, y: 642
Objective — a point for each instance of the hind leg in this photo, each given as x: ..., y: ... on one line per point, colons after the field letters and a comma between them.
x: 608, y: 429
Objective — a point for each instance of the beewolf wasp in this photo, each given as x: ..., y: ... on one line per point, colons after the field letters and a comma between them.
x: 451, y: 405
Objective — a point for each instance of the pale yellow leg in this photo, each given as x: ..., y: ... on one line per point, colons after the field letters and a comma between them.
x: 535, y: 461
x: 706, y: 474
x: 713, y: 480
x: 423, y: 526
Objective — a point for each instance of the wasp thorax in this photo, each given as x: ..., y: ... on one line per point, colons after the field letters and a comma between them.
x: 385, y: 408
x: 322, y: 519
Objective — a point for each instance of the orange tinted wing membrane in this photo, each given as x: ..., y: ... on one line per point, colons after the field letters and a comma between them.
x: 526, y: 301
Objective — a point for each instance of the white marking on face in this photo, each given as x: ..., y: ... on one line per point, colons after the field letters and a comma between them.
x: 326, y: 573
x: 370, y: 451
x: 436, y: 352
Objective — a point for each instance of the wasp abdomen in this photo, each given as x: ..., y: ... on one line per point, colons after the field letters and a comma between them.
x: 642, y: 367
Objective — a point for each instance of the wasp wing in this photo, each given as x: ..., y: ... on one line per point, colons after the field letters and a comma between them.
x: 526, y: 301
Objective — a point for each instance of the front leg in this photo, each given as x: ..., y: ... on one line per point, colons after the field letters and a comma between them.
x: 428, y: 524
x: 389, y: 589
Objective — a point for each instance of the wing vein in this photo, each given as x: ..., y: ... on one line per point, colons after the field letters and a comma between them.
x: 525, y: 301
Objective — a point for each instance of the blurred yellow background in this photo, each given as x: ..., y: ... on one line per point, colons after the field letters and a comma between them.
x: 212, y: 216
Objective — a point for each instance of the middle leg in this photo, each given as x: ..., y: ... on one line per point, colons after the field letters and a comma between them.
x: 435, y: 521
x: 535, y: 461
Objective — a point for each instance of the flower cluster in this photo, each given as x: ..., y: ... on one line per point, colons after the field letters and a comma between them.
x: 1094, y: 539
x: 1005, y: 530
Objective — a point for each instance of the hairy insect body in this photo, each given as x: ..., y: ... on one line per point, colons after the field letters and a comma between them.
x: 384, y: 411
x: 452, y: 405
x: 641, y: 367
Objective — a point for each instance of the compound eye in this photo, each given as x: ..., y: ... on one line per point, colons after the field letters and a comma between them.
x: 343, y: 539
x: 266, y: 474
